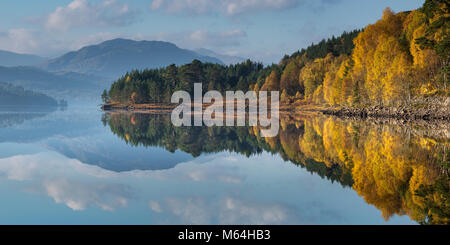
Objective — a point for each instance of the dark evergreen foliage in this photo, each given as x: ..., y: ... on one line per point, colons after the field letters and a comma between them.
x: 157, y: 85
x: 335, y: 45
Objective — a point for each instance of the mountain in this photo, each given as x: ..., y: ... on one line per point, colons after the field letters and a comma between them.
x: 227, y: 59
x: 17, y: 96
x: 14, y: 59
x: 115, y: 57
x: 67, y: 85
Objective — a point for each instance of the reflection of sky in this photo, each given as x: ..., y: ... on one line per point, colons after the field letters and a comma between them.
x: 225, y: 188
x: 79, y: 134
x: 41, y: 186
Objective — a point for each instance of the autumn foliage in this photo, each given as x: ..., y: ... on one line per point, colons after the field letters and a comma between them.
x: 401, y: 56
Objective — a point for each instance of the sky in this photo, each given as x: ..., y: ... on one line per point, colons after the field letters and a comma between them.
x: 263, y: 30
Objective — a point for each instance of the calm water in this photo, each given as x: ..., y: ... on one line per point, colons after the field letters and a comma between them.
x: 81, y: 166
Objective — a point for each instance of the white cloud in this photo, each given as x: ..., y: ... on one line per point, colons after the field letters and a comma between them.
x: 81, y: 13
x: 48, y: 44
x: 42, y: 43
x: 20, y: 40
x: 217, y: 40
x: 92, y: 39
x: 225, y: 38
x: 225, y: 7
x: 192, y: 6
x: 233, y: 7
x: 154, y: 205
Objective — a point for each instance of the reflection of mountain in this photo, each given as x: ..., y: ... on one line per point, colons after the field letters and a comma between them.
x: 79, y: 135
x: 393, y: 168
x: 110, y: 153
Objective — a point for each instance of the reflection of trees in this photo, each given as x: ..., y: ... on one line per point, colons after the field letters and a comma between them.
x: 156, y: 130
x: 393, y: 169
x: 397, y: 172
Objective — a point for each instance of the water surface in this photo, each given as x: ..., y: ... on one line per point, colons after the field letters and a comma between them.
x: 82, y: 166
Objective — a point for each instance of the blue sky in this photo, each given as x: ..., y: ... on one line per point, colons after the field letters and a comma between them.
x: 263, y: 30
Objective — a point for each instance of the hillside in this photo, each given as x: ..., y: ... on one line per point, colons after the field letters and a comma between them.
x: 115, y: 57
x: 68, y: 85
x: 17, y: 96
x: 10, y: 59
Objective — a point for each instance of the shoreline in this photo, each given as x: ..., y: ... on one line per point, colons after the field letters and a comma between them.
x: 401, y: 113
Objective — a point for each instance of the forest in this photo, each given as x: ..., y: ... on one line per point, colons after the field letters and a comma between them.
x: 400, y: 57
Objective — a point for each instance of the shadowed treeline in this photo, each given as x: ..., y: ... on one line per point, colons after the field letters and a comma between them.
x: 401, y: 170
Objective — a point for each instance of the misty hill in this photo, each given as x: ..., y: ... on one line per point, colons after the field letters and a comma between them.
x: 115, y: 57
x: 227, y: 59
x: 68, y: 85
x: 14, y: 59
x: 17, y: 96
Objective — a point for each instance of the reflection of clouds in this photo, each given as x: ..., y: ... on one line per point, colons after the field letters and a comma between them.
x: 79, y: 185
x: 46, y: 164
x: 199, y: 170
x: 78, y: 196
x: 235, y: 211
x: 24, y: 167
x: 155, y: 206
x: 190, y: 210
x: 221, y: 173
x: 228, y: 210
x: 59, y: 178
x: 232, y: 159
x: 17, y: 168
x: 212, y: 189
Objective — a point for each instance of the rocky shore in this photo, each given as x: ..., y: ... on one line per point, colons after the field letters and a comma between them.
x: 136, y: 107
x: 425, y: 109
x: 419, y: 109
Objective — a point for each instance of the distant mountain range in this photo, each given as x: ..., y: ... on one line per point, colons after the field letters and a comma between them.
x: 10, y: 59
x: 56, y: 84
x: 114, y: 58
x: 85, y: 72
x: 227, y: 59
